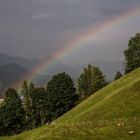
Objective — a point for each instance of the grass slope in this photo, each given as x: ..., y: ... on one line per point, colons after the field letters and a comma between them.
x: 98, y: 116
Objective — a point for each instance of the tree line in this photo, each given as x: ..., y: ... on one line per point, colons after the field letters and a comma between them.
x: 36, y: 106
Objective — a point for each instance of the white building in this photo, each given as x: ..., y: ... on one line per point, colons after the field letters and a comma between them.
x: 1, y: 100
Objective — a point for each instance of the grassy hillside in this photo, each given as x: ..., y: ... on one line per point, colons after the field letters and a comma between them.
x: 109, y: 114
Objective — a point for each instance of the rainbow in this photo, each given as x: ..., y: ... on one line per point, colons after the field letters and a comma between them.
x: 90, y: 34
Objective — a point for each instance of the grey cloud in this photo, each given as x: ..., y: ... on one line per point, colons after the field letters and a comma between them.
x: 36, y: 28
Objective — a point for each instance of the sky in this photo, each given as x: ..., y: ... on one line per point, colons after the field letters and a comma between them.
x: 41, y: 28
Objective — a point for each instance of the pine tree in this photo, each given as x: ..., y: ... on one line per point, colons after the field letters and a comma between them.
x: 118, y: 75
x: 31, y: 89
x: 12, y: 113
x: 3, y: 130
x: 27, y: 102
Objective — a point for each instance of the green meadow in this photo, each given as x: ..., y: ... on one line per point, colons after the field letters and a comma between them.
x: 112, y: 113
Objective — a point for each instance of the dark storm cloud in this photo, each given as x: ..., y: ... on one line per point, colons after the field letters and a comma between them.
x: 36, y: 28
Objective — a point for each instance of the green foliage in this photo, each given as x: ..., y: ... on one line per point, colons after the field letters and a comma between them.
x: 39, y: 106
x: 26, y: 102
x: 118, y: 102
x: 11, y: 114
x: 120, y: 99
x: 118, y: 75
x: 61, y: 95
x: 132, y: 54
x: 90, y: 81
x: 31, y: 88
x: 27, y: 90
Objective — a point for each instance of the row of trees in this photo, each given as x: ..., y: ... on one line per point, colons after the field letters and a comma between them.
x: 38, y: 105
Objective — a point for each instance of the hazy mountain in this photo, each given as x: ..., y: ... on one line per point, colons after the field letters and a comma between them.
x: 24, y: 62
x: 11, y: 73
x: 34, y: 63
x: 12, y: 69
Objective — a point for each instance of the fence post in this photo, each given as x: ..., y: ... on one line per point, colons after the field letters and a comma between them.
x: 135, y: 118
x: 107, y: 122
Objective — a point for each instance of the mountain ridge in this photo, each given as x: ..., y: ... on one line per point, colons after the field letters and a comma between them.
x: 11, y: 73
x: 108, y: 68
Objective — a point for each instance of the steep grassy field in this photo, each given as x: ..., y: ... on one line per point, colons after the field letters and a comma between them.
x: 109, y: 114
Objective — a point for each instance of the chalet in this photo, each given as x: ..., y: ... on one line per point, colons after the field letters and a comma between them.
x: 1, y: 100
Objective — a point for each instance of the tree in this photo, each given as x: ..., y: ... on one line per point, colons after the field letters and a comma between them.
x: 91, y: 80
x: 39, y: 106
x: 118, y: 75
x: 84, y: 81
x: 30, y: 121
x: 27, y: 102
x: 12, y: 113
x: 31, y: 89
x: 61, y: 95
x: 132, y: 54
x: 2, y: 119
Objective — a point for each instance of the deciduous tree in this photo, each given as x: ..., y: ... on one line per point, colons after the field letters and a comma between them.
x: 61, y: 95
x: 91, y: 80
x: 132, y: 54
